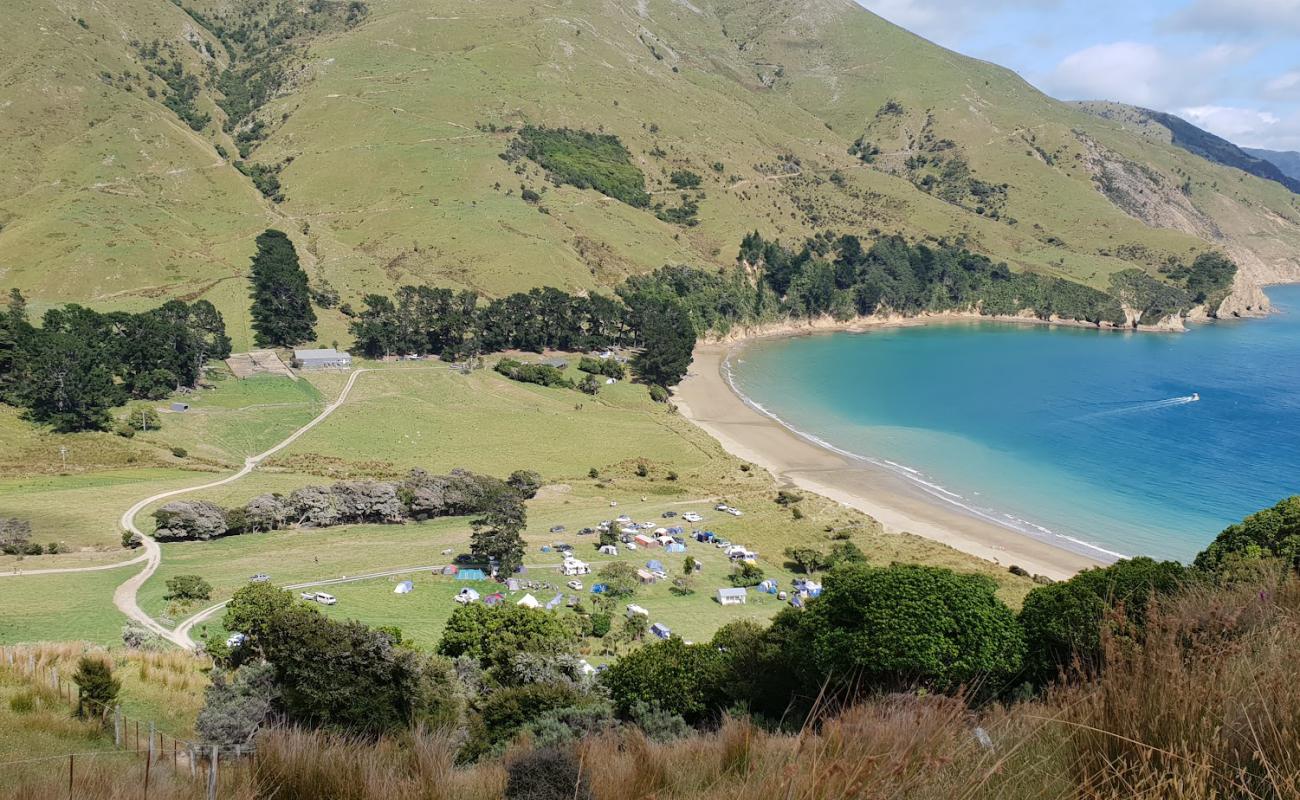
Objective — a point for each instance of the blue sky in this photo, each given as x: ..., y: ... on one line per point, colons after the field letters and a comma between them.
x: 1230, y: 66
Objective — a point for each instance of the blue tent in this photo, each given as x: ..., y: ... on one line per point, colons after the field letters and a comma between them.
x: 598, y: 588
x: 654, y: 566
x: 676, y: 547
x: 555, y: 602
x: 471, y: 575
x: 404, y: 587
x: 661, y: 630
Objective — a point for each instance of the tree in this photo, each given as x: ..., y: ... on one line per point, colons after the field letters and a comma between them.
x: 252, y: 609
x: 1270, y: 533
x: 97, y: 688
x: 526, y: 482
x: 188, y: 587
x: 667, y: 338
x: 680, y: 678
x: 14, y: 327
x: 237, y: 704
x: 894, y: 627
x: 496, y: 531
x: 845, y: 553
x: 807, y: 559
x: 66, y: 382
x: 635, y: 627
x: 507, y: 710
x: 15, y: 536
x: 619, y: 578
x: 190, y: 520
x: 281, y: 309
x: 747, y: 574
x: 1063, y: 621
x: 494, y: 635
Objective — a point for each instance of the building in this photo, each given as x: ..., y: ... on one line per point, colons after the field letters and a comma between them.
x: 180, y: 408
x: 326, y: 358
x: 732, y: 597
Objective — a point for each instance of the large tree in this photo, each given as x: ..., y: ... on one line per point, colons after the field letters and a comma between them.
x: 65, y: 382
x: 282, y: 313
x: 895, y: 627
x: 496, y: 531
x: 667, y: 337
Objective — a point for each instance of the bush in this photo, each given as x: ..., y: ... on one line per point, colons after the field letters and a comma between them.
x: 180, y: 452
x: 585, y: 160
x: 551, y: 773
x: 658, y: 393
x: 188, y: 587
x: 894, y: 627
x: 685, y: 179
x: 525, y: 482
x: 97, y: 688
x: 589, y: 385
x: 746, y: 575
x: 541, y: 374
x: 676, y: 677
x: 144, y: 417
x: 1270, y: 533
x: 600, y: 625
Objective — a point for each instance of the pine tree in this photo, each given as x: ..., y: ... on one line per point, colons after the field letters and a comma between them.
x: 281, y: 310
x: 667, y: 339
x: 98, y: 688
x: 496, y: 531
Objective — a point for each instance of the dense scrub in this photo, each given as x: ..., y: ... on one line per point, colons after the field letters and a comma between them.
x: 585, y: 160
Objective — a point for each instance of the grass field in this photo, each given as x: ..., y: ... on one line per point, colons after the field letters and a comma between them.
x: 403, y: 417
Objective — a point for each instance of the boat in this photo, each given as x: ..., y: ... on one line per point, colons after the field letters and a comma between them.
x: 1195, y: 396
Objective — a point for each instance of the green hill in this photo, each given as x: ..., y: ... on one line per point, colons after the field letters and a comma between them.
x: 151, y: 141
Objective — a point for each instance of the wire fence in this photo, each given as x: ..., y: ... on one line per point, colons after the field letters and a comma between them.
x: 208, y: 765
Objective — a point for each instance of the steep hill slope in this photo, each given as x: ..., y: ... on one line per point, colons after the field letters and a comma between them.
x: 375, y: 134
x: 1286, y: 160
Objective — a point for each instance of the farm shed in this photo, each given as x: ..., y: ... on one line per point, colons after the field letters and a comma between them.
x: 732, y: 597
x: 324, y: 358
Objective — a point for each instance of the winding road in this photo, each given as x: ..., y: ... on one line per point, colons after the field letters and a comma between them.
x: 125, y: 595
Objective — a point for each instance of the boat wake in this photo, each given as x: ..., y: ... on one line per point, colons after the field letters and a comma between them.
x: 1142, y: 406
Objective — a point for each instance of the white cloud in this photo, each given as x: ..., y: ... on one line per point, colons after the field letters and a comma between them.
x: 1247, y: 127
x: 1130, y: 72
x: 1240, y: 17
x: 1285, y: 85
x: 946, y: 21
x: 1144, y: 74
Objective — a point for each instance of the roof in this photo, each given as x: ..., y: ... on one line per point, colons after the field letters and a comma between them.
x: 737, y: 592
x: 323, y: 353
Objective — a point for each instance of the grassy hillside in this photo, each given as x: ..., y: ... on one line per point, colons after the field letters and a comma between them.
x: 379, y: 148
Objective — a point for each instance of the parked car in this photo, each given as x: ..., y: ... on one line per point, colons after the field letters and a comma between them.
x: 575, y: 585
x: 260, y: 577
x: 720, y: 507
x: 311, y: 596
x: 723, y: 543
x: 669, y: 514
x: 735, y: 512
x: 325, y: 599
x: 586, y: 531
x: 557, y: 529
x: 691, y: 516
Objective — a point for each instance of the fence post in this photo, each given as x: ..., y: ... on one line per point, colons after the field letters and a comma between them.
x: 212, y: 775
x: 189, y: 750
x: 70, y: 757
x: 151, y: 732
x: 148, y: 764
x: 117, y: 726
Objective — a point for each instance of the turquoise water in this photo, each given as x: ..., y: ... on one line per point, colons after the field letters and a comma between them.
x: 1073, y: 435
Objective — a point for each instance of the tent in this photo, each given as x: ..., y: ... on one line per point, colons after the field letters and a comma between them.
x: 528, y: 601
x: 450, y: 569
x: 512, y: 584
x: 555, y: 602
x: 676, y: 547
x: 768, y: 586
x: 494, y: 599
x: 661, y: 630
x: 471, y: 575
x: 608, y: 550
x: 654, y: 565
x: 466, y: 596
x: 405, y: 587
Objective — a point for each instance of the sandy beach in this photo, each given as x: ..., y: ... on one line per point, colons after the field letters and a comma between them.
x: 707, y: 399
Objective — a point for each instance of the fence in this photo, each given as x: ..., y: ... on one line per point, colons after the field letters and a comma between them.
x: 198, y: 762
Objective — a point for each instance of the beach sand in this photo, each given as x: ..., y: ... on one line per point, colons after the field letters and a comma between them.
x: 707, y: 399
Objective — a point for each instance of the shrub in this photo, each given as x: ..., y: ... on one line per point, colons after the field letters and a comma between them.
x: 746, y: 574
x: 607, y: 367
x: 1271, y: 533
x: 551, y: 773
x: 188, y: 587
x: 685, y: 179
x: 676, y: 677
x: 180, y: 452
x: 97, y: 688
x: 525, y: 482
x: 600, y: 625
x: 23, y: 702
x: 589, y: 385
x: 541, y: 374
x: 144, y: 417
x: 891, y: 628
x: 658, y: 393
x: 585, y: 160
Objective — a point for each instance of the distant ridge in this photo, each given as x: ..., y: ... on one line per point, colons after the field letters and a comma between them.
x: 1201, y: 142
x: 1286, y: 160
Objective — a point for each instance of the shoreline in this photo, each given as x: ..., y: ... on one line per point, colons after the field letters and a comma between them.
x: 707, y: 398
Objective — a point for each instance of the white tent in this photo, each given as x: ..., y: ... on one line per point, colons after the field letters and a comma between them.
x: 466, y: 596
x: 528, y: 601
x: 405, y: 587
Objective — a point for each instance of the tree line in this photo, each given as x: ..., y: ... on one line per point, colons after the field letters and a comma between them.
x: 74, y: 367
x: 498, y: 507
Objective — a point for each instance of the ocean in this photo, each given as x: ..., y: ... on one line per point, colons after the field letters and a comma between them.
x: 1089, y: 439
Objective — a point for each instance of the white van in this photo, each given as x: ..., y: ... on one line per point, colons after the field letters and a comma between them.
x: 325, y: 599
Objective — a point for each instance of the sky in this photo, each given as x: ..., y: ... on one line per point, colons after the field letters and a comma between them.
x: 1229, y: 66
